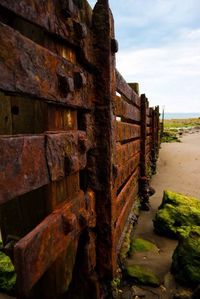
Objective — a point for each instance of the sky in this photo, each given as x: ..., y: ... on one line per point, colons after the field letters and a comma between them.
x: 159, y: 47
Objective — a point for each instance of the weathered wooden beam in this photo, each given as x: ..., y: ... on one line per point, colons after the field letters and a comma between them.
x: 125, y: 110
x: 30, y: 162
x: 124, y: 171
x: 124, y: 89
x: 23, y: 165
x: 127, y: 190
x: 126, y: 151
x: 126, y: 131
x: 66, y: 153
x: 23, y: 71
x: 124, y: 215
x: 37, y: 251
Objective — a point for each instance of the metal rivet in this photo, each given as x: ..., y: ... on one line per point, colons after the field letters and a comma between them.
x: 80, y: 29
x: 79, y: 80
x: 65, y: 84
x: 114, y: 45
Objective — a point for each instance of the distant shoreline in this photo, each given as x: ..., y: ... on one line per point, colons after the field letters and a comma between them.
x: 180, y: 115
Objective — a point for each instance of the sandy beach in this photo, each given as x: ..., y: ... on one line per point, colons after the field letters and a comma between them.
x: 178, y: 169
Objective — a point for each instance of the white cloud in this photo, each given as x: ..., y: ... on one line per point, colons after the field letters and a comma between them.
x: 160, y: 48
x: 168, y: 75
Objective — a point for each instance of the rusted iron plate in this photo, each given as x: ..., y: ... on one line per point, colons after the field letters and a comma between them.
x: 66, y: 153
x: 23, y: 165
x: 124, y: 89
x: 126, y: 170
x: 128, y: 189
x: 31, y: 69
x: 37, y: 251
x: 125, y: 131
x: 126, y: 151
x: 123, y: 218
x: 125, y: 110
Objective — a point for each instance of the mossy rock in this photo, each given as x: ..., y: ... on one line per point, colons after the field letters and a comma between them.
x: 176, y: 215
x: 7, y: 275
x: 142, y: 276
x: 141, y: 245
x: 178, y: 199
x: 169, y: 136
x: 186, y: 259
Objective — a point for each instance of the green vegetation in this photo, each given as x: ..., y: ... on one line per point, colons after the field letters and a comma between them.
x: 176, y: 215
x: 170, y: 136
x: 181, y: 123
x: 179, y: 217
x: 186, y: 259
x: 141, y: 245
x: 7, y: 274
x: 142, y: 275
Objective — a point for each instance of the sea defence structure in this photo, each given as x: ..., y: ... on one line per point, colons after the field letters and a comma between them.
x: 77, y: 145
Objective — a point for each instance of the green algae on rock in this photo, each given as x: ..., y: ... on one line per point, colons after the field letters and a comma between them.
x: 142, y: 275
x: 7, y: 275
x: 176, y: 215
x: 186, y: 259
x: 141, y: 245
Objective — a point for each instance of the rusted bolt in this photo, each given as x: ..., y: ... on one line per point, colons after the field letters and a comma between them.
x: 79, y: 80
x: 80, y: 29
x: 69, y: 223
x: 114, y: 46
x: 65, y: 84
x: 67, y: 8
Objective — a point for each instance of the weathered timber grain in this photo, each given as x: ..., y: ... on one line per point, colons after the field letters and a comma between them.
x: 124, y: 171
x: 124, y: 89
x: 35, y: 253
x: 126, y: 151
x: 125, y: 110
x: 23, y: 165
x: 23, y: 71
x: 126, y: 131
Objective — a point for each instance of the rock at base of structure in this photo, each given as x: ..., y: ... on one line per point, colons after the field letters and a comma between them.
x: 142, y: 275
x: 183, y: 294
x: 186, y: 259
x: 7, y: 275
x: 176, y: 215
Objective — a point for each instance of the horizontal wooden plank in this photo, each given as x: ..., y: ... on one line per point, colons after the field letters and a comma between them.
x: 123, y: 172
x: 37, y: 251
x: 125, y: 212
x: 125, y: 110
x: 66, y: 153
x: 30, y: 162
x: 33, y: 70
x: 23, y: 166
x: 126, y: 192
x: 125, y: 131
x: 125, y: 151
x: 124, y: 89
x: 53, y: 16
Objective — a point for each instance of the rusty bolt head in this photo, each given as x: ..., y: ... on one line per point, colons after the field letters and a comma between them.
x: 80, y: 29
x: 65, y: 84
x: 114, y: 45
x: 79, y: 80
x: 67, y: 8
